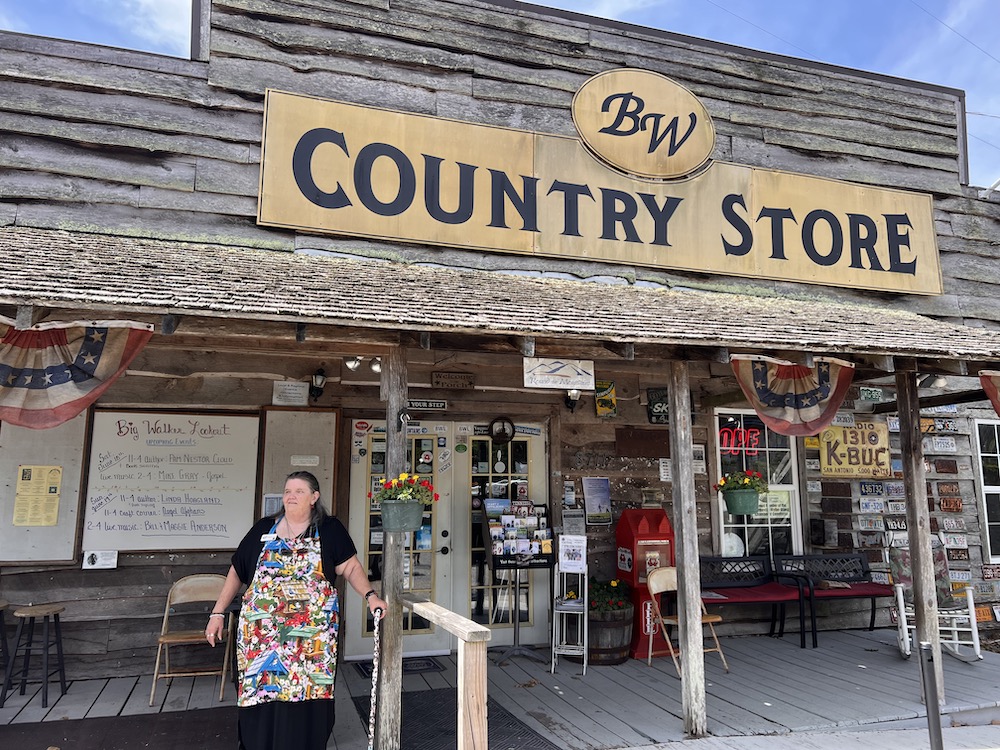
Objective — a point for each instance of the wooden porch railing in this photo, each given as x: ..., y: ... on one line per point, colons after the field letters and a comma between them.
x: 472, y: 640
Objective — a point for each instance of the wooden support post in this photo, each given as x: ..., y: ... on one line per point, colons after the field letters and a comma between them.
x: 472, y: 695
x: 917, y: 521
x: 690, y: 636
x: 393, y: 388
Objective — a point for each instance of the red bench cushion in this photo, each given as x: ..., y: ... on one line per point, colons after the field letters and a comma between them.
x: 856, y: 590
x: 766, y: 593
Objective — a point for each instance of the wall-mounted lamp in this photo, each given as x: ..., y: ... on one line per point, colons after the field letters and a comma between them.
x: 316, y: 383
x: 376, y: 364
x: 571, y: 399
x: 932, y: 381
x: 352, y: 363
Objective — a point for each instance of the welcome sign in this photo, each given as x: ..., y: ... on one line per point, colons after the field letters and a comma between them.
x: 345, y: 169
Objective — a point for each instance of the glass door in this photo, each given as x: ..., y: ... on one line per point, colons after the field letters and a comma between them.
x: 498, y: 472
x: 426, y: 558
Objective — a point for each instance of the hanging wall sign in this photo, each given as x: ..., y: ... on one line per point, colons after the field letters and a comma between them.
x: 346, y: 169
x: 657, y: 407
x: 860, y: 451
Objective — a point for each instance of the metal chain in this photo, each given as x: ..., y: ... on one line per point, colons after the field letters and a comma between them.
x: 375, y: 658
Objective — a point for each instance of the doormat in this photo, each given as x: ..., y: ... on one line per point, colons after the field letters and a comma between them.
x: 205, y: 729
x: 430, y: 722
x: 411, y: 665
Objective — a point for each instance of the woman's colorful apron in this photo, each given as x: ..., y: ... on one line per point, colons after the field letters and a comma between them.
x: 287, y: 642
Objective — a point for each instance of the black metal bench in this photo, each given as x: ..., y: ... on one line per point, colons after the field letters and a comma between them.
x: 751, y: 580
x: 824, y: 576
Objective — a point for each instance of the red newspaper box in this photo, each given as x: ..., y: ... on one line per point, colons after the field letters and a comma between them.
x: 645, y: 541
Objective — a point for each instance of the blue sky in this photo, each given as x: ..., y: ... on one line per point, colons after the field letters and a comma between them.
x: 949, y: 42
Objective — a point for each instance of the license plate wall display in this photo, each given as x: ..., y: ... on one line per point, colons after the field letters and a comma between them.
x: 872, y: 506
x: 984, y: 588
x: 895, y: 523
x: 880, y: 576
x: 871, y: 523
x: 934, y: 524
x: 957, y: 555
x: 899, y: 539
x: 948, y: 488
x: 896, y: 508
x: 991, y: 572
x: 956, y: 541
x: 870, y: 539
x: 945, y: 425
x: 872, y: 489
x: 960, y: 576
x: 951, y: 504
x: 984, y: 614
x: 895, y: 490
x: 952, y: 523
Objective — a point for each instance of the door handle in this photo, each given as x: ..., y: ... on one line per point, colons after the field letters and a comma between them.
x: 444, y: 550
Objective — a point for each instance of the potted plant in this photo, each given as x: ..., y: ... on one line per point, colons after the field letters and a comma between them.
x: 741, y: 491
x: 609, y: 615
x: 402, y: 501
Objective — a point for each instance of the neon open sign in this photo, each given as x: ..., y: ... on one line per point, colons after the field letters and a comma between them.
x: 736, y: 440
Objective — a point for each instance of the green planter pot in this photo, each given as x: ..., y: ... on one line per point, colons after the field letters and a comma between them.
x: 397, y: 516
x: 742, y: 502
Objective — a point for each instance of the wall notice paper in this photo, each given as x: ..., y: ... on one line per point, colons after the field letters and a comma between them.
x: 572, y: 553
x: 170, y: 480
x: 574, y: 522
x: 100, y: 559
x: 36, y: 497
x: 597, y: 500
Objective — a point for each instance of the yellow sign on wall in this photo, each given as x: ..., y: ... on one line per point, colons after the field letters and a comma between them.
x: 861, y: 450
x: 351, y: 170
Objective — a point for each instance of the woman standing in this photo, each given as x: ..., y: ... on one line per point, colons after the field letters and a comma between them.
x: 289, y: 620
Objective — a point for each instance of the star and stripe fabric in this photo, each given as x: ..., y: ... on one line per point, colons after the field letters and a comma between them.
x: 51, y: 372
x: 793, y: 399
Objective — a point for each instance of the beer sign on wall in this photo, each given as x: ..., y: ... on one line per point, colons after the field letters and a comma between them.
x: 637, y: 187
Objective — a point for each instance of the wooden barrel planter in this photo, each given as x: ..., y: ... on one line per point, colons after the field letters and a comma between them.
x: 610, y: 636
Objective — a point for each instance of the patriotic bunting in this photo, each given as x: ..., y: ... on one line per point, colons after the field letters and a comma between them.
x: 990, y: 380
x: 51, y: 372
x: 793, y: 399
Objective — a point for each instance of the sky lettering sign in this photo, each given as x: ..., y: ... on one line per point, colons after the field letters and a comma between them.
x: 637, y: 187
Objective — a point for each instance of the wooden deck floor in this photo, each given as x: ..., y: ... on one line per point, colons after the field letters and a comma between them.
x: 854, y: 678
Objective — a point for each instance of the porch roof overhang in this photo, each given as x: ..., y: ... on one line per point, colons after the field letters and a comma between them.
x: 129, y: 275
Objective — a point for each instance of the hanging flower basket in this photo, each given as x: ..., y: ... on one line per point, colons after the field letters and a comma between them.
x: 402, y: 501
x: 742, y: 502
x: 402, y: 515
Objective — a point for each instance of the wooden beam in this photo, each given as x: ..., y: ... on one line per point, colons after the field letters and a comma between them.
x: 27, y: 316
x: 690, y: 636
x: 944, y: 399
x: 918, y: 523
x: 625, y: 350
x: 723, y: 399
x: 393, y: 390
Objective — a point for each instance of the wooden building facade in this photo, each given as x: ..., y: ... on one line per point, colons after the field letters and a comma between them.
x: 130, y: 190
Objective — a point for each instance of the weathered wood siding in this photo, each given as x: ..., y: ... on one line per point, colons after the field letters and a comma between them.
x: 98, y: 139
x: 111, y: 141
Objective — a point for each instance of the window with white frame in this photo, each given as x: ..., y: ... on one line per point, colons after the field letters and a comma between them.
x: 988, y: 435
x: 743, y: 441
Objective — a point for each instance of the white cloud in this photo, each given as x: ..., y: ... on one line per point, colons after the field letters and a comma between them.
x: 164, y: 24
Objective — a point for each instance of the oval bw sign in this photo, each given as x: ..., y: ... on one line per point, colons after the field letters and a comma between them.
x: 643, y: 123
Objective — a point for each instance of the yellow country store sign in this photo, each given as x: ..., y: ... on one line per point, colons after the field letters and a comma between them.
x: 638, y: 186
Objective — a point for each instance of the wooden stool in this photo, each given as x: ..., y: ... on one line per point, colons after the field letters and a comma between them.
x: 4, y: 648
x: 29, y: 613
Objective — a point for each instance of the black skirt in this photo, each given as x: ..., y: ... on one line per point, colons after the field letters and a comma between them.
x: 279, y: 725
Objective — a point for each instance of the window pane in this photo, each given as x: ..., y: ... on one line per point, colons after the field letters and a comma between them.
x: 995, y: 537
x: 993, y: 507
x: 988, y: 438
x: 781, y: 468
x: 991, y: 471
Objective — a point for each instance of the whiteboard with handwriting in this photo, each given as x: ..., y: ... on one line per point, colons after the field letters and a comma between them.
x: 170, y: 481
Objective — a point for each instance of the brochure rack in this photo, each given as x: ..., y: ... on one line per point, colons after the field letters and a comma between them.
x: 520, y: 539
x: 569, y: 616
